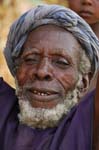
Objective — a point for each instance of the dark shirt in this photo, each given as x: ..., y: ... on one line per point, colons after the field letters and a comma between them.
x: 73, y: 133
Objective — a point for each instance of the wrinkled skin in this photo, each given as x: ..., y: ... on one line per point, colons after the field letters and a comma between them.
x: 48, y: 66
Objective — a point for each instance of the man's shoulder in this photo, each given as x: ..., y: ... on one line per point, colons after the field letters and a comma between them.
x: 8, y: 103
x: 86, y: 106
x: 4, y: 86
x: 8, y: 98
x: 7, y: 94
x: 88, y: 99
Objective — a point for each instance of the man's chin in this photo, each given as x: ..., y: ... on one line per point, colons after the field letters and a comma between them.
x: 45, y: 118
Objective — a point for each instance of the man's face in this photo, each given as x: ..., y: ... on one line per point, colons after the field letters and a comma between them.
x: 48, y: 68
x: 87, y: 9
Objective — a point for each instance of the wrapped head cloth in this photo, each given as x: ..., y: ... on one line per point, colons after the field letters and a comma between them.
x: 56, y: 15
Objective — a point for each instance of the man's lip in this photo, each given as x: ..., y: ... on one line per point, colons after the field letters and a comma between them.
x: 85, y: 14
x: 43, y: 95
x: 43, y: 90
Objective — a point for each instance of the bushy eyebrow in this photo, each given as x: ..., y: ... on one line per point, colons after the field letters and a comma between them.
x: 29, y: 51
x: 56, y: 51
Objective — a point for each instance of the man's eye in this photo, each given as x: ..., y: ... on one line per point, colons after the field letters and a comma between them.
x: 61, y: 62
x: 31, y: 60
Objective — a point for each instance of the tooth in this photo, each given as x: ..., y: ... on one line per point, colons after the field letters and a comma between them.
x: 39, y: 93
x: 48, y: 93
x: 35, y: 92
x: 42, y: 94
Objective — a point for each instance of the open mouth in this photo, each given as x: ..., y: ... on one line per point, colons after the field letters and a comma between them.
x: 43, y: 95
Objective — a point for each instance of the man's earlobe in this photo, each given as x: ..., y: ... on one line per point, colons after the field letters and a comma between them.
x: 90, y: 75
x: 83, y: 85
x: 86, y: 79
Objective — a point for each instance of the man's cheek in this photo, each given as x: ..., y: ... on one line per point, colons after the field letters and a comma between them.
x: 22, y: 77
x: 68, y: 81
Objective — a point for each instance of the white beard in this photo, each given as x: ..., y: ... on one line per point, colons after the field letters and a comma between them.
x: 44, y: 118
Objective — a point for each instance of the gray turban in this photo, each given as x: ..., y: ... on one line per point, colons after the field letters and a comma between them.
x: 56, y: 15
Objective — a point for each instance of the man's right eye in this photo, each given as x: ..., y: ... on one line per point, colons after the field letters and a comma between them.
x: 31, y: 60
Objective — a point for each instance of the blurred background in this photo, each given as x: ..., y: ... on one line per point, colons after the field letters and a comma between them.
x: 10, y: 10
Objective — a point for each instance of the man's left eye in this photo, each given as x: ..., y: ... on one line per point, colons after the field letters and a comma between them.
x: 61, y: 62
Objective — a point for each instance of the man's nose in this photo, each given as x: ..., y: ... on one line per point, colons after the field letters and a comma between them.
x: 44, y: 70
x: 86, y: 2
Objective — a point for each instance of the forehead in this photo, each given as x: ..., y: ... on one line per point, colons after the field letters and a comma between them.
x: 53, y: 38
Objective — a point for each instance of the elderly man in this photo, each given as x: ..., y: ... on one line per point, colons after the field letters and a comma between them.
x: 53, y: 55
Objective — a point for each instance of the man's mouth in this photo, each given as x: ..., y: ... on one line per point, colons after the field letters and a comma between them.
x: 41, y: 93
x: 85, y: 14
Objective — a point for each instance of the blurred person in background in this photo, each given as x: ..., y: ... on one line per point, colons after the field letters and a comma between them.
x: 53, y: 55
x: 89, y: 11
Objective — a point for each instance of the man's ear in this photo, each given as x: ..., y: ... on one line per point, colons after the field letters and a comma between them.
x: 86, y: 79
